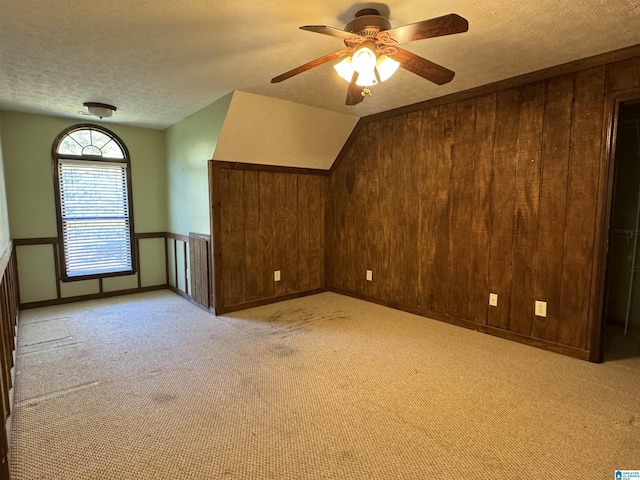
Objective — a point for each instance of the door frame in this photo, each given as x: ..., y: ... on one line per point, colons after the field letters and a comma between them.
x: 603, y: 218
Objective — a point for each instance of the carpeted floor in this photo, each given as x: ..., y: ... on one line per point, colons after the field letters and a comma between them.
x: 150, y: 387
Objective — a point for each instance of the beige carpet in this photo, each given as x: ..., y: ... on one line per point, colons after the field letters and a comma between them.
x: 151, y: 387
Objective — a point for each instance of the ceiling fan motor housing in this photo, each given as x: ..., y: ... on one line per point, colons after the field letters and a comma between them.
x: 368, y: 23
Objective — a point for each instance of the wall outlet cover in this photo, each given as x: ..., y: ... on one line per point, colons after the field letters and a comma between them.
x: 276, y: 276
x: 493, y: 299
x: 541, y: 309
x: 369, y: 275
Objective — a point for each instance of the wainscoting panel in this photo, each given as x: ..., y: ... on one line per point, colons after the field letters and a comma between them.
x: 266, y: 219
x: 200, y: 268
x: 162, y: 262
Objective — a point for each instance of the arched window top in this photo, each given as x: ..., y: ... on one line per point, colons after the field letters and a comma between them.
x: 92, y: 182
x: 89, y: 141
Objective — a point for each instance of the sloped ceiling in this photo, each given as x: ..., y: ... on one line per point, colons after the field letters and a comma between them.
x: 159, y: 61
x: 267, y: 131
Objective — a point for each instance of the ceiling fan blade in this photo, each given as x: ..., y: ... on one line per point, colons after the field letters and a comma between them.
x: 423, y: 67
x: 354, y: 93
x: 332, y: 31
x: 435, y: 27
x: 311, y: 64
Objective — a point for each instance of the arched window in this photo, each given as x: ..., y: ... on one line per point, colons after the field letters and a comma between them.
x: 92, y: 181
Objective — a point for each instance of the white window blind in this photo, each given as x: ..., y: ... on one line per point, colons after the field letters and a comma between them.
x: 95, y: 217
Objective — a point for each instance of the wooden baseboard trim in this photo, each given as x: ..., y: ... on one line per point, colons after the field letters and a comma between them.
x: 267, y: 301
x: 496, y: 332
x: 92, y: 296
x: 186, y: 296
x: 179, y: 292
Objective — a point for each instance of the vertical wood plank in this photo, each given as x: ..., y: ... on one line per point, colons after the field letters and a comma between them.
x: 502, y: 204
x: 252, y: 235
x: 194, y: 268
x: 303, y: 231
x: 351, y: 215
x: 233, y: 237
x: 462, y: 182
x: 581, y: 207
x: 207, y: 272
x: 200, y: 270
x: 5, y: 352
x: 481, y: 217
x: 175, y: 265
x: 407, y: 193
x: 384, y: 277
x: 214, y: 247
x: 443, y: 207
x: 278, y: 210
x: 329, y: 230
x: 290, y: 278
x: 267, y: 261
x: 526, y: 206
x: 428, y: 158
x: 374, y: 223
x: 185, y: 245
x: 324, y: 184
x: 397, y: 222
x: 553, y: 195
x: 316, y: 232
x: 338, y: 181
x: 360, y: 203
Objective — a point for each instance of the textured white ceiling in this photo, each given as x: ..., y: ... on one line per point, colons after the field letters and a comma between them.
x: 161, y: 60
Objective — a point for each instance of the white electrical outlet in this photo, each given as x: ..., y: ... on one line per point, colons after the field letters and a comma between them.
x: 276, y: 276
x: 493, y: 299
x: 369, y: 276
x: 541, y: 309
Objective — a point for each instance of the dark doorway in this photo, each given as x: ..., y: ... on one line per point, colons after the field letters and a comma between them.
x: 622, y: 293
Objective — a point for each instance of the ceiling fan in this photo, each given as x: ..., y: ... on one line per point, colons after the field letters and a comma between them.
x: 372, y: 54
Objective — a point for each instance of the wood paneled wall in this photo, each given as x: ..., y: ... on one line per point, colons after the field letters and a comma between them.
x: 265, y: 220
x: 502, y: 193
x: 9, y: 306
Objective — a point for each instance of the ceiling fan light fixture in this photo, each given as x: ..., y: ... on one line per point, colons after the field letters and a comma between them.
x: 386, y: 67
x: 364, y: 61
x: 371, y: 41
x: 345, y: 69
x: 367, y: 79
x: 100, y: 110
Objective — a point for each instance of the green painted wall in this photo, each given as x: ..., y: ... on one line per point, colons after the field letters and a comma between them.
x: 26, y: 148
x: 4, y: 214
x: 189, y: 144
